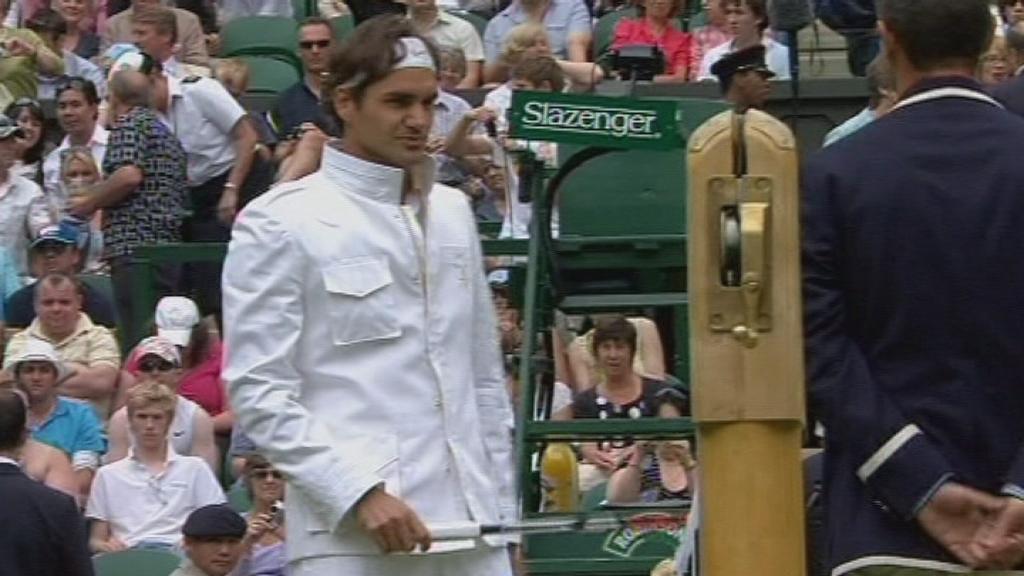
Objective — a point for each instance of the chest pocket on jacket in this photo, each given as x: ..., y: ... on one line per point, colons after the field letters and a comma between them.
x: 360, y: 303
x: 456, y: 262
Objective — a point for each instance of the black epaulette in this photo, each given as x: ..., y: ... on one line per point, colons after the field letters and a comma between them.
x: 191, y: 79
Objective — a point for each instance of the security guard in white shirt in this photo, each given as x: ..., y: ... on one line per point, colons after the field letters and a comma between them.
x: 364, y: 356
x: 220, y: 142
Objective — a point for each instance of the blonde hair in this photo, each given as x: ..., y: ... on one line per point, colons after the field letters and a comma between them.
x: 151, y: 393
x: 519, y: 40
x: 81, y: 153
x: 233, y: 72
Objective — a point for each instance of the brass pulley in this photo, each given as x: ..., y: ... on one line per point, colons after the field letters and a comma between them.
x: 743, y: 210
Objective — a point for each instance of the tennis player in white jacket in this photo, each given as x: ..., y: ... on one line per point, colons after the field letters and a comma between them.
x: 362, y: 352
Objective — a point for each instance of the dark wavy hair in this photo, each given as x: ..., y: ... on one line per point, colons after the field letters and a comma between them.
x: 14, y: 109
x: 367, y: 56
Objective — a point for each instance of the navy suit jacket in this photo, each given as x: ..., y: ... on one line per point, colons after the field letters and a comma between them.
x: 913, y: 263
x: 42, y: 532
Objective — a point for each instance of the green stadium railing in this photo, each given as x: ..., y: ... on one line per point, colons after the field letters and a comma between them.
x: 146, y: 258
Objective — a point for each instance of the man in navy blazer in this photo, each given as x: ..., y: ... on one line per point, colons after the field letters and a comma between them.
x: 42, y: 533
x: 914, y: 311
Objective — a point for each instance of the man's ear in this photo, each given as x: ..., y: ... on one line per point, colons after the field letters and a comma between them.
x: 344, y: 103
x: 889, y: 40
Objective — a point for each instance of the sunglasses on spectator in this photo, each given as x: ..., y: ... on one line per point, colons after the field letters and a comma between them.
x: 155, y: 365
x: 76, y: 83
x: 266, y: 474
x: 310, y: 44
x: 26, y: 102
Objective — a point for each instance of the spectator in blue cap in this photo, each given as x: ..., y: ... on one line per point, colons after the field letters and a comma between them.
x: 55, y: 250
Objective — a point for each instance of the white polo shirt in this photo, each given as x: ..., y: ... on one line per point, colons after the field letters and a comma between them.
x: 454, y: 32
x: 143, y: 507
x: 776, y: 57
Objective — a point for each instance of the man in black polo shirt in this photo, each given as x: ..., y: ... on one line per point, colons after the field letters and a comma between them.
x: 300, y: 104
x: 55, y: 250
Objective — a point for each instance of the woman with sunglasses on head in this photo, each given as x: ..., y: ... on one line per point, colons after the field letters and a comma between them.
x: 78, y: 172
x: 28, y: 113
x: 178, y: 320
x: 157, y: 359
x: 264, y: 543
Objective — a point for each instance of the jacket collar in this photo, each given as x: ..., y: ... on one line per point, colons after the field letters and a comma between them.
x: 9, y: 465
x: 374, y: 181
x: 935, y: 82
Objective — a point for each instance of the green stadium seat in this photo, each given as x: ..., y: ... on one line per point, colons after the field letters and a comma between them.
x: 478, y: 21
x: 136, y: 563
x: 699, y: 19
x: 604, y: 30
x: 343, y: 26
x: 302, y: 9
x: 269, y: 75
x: 270, y: 36
x: 593, y: 498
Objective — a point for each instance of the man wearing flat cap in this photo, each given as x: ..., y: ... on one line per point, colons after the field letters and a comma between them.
x: 743, y: 77
x: 212, y: 541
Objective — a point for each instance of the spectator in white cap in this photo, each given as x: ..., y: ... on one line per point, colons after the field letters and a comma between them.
x: 191, y: 433
x: 89, y: 350
x: 67, y: 425
x: 177, y: 320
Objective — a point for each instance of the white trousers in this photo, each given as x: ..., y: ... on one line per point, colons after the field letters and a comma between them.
x: 482, y: 561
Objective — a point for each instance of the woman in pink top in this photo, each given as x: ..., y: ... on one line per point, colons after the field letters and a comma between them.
x: 177, y: 319
x: 657, y: 25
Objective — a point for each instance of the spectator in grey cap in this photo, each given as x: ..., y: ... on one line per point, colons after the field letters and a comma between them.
x: 213, y: 541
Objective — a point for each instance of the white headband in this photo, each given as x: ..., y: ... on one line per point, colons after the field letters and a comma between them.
x: 415, y: 55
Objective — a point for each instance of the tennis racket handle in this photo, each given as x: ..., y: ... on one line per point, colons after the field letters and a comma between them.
x: 454, y: 530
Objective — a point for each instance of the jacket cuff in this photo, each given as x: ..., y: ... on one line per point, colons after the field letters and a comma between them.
x: 1015, y: 475
x: 347, y: 488
x: 905, y: 472
x: 1013, y: 491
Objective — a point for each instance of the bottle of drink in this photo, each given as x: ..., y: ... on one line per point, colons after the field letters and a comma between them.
x: 560, y: 479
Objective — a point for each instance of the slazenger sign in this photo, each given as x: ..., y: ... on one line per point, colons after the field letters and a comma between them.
x: 595, y: 120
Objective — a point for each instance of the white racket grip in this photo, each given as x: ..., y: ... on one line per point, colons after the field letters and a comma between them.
x: 454, y: 530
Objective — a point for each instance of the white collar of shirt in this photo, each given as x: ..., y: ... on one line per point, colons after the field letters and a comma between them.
x: 6, y: 460
x: 173, y: 86
x: 171, y: 456
x: 99, y: 136
x: 171, y: 66
x: 374, y: 181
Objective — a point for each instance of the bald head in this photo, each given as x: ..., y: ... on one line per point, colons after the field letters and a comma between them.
x: 130, y: 88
